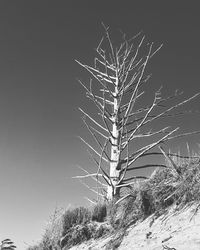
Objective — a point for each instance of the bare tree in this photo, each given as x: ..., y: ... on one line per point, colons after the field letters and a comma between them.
x: 124, y: 127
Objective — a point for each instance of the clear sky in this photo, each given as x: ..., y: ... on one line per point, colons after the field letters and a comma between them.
x: 39, y: 94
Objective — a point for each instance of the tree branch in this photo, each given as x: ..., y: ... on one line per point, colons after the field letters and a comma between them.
x: 93, y: 120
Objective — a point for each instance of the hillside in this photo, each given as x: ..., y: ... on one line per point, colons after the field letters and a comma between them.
x: 178, y: 230
x: 162, y: 212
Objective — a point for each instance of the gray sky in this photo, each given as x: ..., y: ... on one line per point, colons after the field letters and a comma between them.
x: 39, y: 94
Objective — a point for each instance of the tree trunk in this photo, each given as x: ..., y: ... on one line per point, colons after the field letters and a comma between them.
x: 113, y: 190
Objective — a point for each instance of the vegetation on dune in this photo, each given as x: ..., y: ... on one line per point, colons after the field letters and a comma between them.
x: 74, y: 226
x: 178, y: 184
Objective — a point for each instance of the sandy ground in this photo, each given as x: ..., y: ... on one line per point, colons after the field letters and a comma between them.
x: 175, y: 230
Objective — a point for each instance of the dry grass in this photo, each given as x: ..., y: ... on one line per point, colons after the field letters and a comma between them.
x: 74, y: 217
x: 164, y: 188
x: 81, y: 224
x: 69, y: 228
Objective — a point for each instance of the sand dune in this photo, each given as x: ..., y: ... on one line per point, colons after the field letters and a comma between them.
x: 173, y: 230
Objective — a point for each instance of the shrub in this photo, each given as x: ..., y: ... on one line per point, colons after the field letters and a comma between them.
x: 165, y: 187
x: 36, y: 247
x: 101, y: 231
x: 74, y: 217
x: 168, y: 187
x: 130, y: 210
x: 113, y: 213
x: 77, y: 234
x: 99, y: 212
